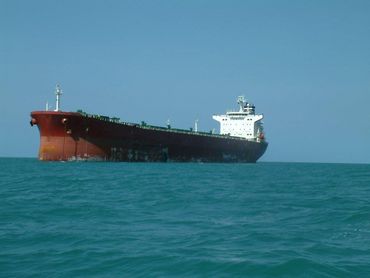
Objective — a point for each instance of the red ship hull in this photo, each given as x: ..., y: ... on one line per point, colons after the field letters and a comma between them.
x: 75, y: 136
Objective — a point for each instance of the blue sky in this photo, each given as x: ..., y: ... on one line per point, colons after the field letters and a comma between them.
x: 305, y: 65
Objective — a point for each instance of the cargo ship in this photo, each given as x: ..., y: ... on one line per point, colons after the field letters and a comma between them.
x: 69, y: 136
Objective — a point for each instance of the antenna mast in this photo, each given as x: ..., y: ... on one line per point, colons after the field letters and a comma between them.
x: 241, y: 102
x: 58, y: 93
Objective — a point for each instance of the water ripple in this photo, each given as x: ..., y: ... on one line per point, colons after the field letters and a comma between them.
x: 195, y: 220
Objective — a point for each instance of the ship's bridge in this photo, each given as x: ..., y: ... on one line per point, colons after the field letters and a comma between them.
x: 244, y: 123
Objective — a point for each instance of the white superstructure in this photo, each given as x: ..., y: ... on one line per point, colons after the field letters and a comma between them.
x: 244, y: 123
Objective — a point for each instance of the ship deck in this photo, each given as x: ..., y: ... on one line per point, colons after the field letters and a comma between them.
x: 144, y: 125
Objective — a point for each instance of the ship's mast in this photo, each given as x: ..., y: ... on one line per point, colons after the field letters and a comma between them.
x: 241, y: 102
x: 58, y: 93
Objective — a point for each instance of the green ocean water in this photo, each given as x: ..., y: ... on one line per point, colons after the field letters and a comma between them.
x: 183, y: 219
